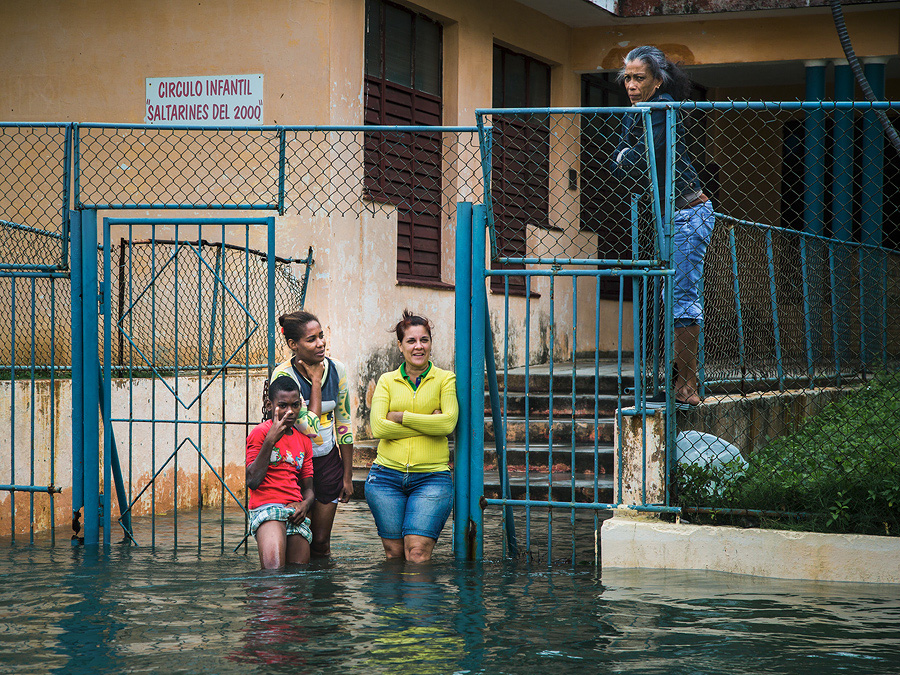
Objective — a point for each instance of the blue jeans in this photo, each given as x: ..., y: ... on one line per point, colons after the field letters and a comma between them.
x: 693, y: 229
x: 409, y: 503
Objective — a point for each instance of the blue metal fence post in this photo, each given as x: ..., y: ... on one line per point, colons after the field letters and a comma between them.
x: 463, y: 337
x: 669, y: 303
x: 270, y: 260
x: 104, y: 400
x: 77, y: 370
x: 476, y: 447
x: 90, y: 377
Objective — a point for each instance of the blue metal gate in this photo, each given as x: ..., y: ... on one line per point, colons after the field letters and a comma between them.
x: 558, y: 396
x: 187, y: 311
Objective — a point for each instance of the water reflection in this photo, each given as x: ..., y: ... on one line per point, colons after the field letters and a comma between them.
x: 87, y: 616
x: 411, y: 629
x: 275, y: 633
x: 138, y: 610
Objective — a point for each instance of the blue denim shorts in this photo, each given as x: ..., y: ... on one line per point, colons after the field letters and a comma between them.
x: 409, y: 503
x: 693, y: 229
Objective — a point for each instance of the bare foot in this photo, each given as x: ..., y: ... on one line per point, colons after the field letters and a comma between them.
x: 687, y: 394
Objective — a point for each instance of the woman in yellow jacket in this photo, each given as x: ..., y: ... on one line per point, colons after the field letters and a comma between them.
x: 409, y: 488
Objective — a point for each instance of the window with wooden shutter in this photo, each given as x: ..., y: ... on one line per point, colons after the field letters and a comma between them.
x: 403, y: 87
x: 520, y: 183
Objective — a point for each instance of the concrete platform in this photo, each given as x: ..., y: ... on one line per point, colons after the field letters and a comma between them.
x: 632, y: 542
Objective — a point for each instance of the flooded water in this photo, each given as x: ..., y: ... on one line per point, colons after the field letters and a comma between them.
x: 72, y: 610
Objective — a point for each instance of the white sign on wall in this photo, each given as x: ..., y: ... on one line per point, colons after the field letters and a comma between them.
x: 218, y: 100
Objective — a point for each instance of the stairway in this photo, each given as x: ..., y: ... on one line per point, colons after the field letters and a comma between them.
x: 580, y: 466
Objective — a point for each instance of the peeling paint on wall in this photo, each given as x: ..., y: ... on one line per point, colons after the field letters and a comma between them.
x: 369, y: 369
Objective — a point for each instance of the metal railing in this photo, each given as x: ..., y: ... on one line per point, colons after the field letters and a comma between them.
x: 799, y: 283
x: 798, y: 300
x: 51, y: 172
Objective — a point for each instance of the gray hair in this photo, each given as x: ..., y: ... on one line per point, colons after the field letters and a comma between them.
x: 674, y: 80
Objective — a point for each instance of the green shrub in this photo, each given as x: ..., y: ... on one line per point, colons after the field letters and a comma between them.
x: 841, y: 469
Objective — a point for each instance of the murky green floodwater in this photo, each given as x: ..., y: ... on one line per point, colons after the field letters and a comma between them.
x: 136, y: 610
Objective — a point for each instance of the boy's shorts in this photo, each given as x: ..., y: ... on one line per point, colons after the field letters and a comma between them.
x: 279, y: 512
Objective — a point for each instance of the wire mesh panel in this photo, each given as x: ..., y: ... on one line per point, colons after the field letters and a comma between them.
x: 35, y: 353
x: 34, y: 337
x: 34, y: 183
x: 177, y: 167
x: 151, y: 278
x: 564, y: 185
x: 419, y: 173
x: 800, y: 342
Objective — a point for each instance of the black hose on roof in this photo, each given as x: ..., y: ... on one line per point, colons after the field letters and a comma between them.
x: 837, y: 13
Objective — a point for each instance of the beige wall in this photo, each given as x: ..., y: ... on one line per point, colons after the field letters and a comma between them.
x: 88, y: 62
x: 143, y: 448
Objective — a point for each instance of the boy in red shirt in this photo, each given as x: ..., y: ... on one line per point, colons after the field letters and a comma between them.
x: 280, y: 480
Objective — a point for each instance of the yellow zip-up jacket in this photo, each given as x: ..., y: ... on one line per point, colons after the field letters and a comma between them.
x: 419, y: 445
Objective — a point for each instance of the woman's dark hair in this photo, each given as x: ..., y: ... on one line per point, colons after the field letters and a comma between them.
x: 293, y: 324
x: 408, y: 320
x: 675, y: 81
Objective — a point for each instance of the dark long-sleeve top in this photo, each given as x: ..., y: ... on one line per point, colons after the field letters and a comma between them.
x: 630, y: 159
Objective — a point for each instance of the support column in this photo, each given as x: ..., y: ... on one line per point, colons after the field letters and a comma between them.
x: 872, y: 216
x: 814, y: 151
x: 842, y: 208
x: 814, y: 206
x: 842, y: 221
x: 873, y: 159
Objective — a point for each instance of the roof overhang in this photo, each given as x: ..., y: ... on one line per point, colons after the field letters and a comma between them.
x: 585, y: 13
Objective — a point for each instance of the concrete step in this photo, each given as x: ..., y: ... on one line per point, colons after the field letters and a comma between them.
x: 584, y: 373
x: 538, y: 404
x: 538, y: 430
x: 538, y: 456
x: 558, y: 485
x: 534, y: 484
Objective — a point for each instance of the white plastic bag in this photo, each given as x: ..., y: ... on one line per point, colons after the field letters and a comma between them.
x: 696, y: 447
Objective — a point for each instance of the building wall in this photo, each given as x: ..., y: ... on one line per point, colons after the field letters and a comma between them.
x: 88, y: 62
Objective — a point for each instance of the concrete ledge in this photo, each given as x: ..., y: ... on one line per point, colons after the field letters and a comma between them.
x: 626, y: 542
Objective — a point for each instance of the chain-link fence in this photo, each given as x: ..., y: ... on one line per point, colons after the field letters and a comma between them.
x: 322, y: 171
x: 190, y: 298
x: 780, y: 225
x: 419, y: 173
x: 35, y: 172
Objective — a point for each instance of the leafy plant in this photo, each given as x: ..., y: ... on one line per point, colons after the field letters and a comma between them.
x: 841, y: 470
